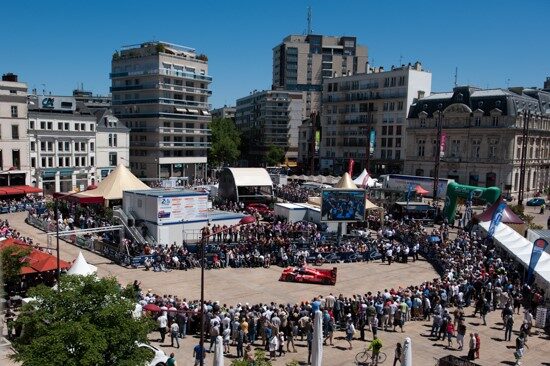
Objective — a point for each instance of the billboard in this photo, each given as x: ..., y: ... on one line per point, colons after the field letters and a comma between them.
x: 182, y: 209
x: 343, y: 205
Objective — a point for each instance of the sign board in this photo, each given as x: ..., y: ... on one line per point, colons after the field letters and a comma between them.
x: 56, y: 103
x: 182, y: 209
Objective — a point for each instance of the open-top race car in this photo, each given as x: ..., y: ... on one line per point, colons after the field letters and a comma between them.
x: 309, y: 275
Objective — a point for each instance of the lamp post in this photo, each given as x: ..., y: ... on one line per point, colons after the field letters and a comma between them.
x: 523, y: 158
x: 244, y: 221
x: 437, y: 153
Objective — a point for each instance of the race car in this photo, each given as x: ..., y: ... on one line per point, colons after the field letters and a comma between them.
x: 309, y: 275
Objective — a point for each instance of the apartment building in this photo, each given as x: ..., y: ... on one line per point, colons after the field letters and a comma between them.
x: 302, y: 62
x: 93, y: 102
x: 269, y: 117
x: 160, y: 92
x: 112, y: 143
x: 368, y: 112
x: 224, y: 112
x: 62, y: 138
x: 483, y: 134
x: 14, y: 141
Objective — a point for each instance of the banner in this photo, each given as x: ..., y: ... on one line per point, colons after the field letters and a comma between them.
x: 497, y: 216
x: 372, y: 141
x: 350, y: 166
x: 365, y: 182
x: 539, y: 246
x: 443, y: 144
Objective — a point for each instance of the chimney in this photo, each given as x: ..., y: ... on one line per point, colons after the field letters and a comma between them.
x: 9, y: 77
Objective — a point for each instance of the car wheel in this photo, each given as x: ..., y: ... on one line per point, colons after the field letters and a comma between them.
x: 326, y: 281
x: 289, y: 278
x: 160, y: 364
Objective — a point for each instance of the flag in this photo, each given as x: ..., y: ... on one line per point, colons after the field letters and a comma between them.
x: 539, y: 246
x: 350, y: 166
x: 442, y: 144
x: 365, y: 181
x: 497, y: 216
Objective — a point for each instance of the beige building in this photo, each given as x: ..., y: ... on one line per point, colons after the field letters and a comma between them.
x: 266, y: 118
x: 368, y: 112
x: 302, y: 62
x: 483, y: 132
x: 112, y: 143
x: 160, y: 91
x: 14, y: 140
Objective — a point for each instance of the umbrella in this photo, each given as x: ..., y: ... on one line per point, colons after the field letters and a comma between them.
x: 407, y: 353
x: 218, y: 352
x: 317, y: 345
x: 151, y: 307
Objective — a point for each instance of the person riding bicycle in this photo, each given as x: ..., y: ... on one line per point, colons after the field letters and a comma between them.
x: 376, y: 346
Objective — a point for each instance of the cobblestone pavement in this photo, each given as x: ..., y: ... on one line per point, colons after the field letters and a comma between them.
x: 254, y: 285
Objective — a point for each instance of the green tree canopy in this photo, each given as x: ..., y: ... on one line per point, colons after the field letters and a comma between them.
x: 87, y: 322
x: 275, y: 155
x: 226, y: 142
x: 13, y: 259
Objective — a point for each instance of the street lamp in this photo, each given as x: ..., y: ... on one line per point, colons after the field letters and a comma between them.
x: 244, y: 221
x: 437, y: 153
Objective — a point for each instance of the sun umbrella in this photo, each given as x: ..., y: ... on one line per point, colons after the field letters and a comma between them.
x: 317, y: 345
x: 218, y: 352
x: 407, y: 353
x: 151, y: 307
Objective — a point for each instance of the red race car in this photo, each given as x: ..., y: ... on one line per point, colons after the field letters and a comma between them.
x: 309, y: 275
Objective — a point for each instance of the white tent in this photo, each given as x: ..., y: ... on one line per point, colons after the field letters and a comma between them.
x: 345, y: 182
x: 520, y: 248
x: 81, y: 267
x: 371, y: 182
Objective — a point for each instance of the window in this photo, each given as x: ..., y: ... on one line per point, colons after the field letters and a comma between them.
x: 60, y: 162
x: 455, y: 148
x: 92, y: 161
x: 16, y: 159
x: 476, y: 147
x: 390, y: 130
x: 50, y: 126
x: 420, y: 148
x: 398, y: 154
x: 112, y: 158
x: 398, y: 142
x: 76, y: 146
x: 398, y: 130
x: 50, y: 161
x: 383, y: 142
x: 495, y: 121
x: 14, y: 113
x: 477, y: 121
x: 43, y: 163
x: 60, y: 146
x: 115, y: 143
x: 400, y: 105
x: 422, y: 122
x: 493, y: 143
x: 33, y: 146
x: 384, y: 130
x: 33, y: 162
x: 386, y: 106
x: 76, y: 126
x: 50, y: 147
x: 83, y: 161
x: 15, y: 132
x: 82, y: 146
x: 31, y: 125
x: 42, y: 125
x: 59, y: 126
x: 67, y: 126
x: 92, y: 146
x: 83, y: 126
x: 67, y: 161
x: 42, y: 146
x: 110, y: 139
x: 67, y: 146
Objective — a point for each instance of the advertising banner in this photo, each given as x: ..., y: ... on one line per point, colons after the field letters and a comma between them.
x: 497, y: 216
x: 350, y: 166
x: 372, y: 141
x: 539, y: 246
x: 443, y: 144
x: 182, y: 209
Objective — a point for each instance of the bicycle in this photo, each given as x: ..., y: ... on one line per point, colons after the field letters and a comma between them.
x: 364, y: 358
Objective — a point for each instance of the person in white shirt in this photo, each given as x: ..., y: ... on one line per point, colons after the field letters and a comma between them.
x: 162, y: 323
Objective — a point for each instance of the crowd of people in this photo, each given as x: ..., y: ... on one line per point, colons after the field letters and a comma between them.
x: 294, y: 192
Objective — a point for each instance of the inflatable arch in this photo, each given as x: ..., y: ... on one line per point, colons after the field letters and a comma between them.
x: 455, y: 190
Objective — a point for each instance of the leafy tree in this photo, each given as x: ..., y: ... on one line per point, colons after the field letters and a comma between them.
x: 13, y: 260
x: 275, y: 155
x: 87, y: 322
x: 226, y: 142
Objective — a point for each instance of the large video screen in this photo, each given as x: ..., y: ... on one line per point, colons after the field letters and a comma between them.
x: 343, y: 205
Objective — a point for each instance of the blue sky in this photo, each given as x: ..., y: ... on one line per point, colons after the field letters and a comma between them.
x: 64, y: 43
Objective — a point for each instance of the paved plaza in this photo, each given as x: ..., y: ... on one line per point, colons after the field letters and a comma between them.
x: 261, y: 285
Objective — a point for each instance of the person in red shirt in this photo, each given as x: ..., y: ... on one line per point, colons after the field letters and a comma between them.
x: 450, y: 333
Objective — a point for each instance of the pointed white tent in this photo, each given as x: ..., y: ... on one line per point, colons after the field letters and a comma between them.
x: 345, y: 182
x: 81, y: 267
x: 110, y: 188
x: 371, y: 182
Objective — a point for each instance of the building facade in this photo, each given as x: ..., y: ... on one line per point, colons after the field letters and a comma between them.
x: 483, y: 137
x: 368, y: 112
x: 160, y: 91
x: 14, y: 140
x: 301, y: 62
x: 62, y: 134
x: 267, y: 118
x: 224, y: 112
x: 92, y: 102
x: 112, y: 143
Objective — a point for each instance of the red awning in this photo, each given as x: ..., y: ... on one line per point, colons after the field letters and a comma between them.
x: 28, y: 189
x: 37, y: 261
x: 75, y: 197
x: 9, y: 190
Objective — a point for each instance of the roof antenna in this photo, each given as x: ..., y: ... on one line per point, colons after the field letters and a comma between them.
x: 400, y: 60
x: 507, y: 82
x: 309, y: 31
x: 456, y: 76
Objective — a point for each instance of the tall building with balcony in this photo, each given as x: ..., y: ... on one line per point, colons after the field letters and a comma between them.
x: 269, y: 118
x: 302, y: 62
x: 483, y: 131
x: 62, y: 134
x: 160, y: 91
x: 14, y: 141
x: 368, y: 112
x: 224, y: 112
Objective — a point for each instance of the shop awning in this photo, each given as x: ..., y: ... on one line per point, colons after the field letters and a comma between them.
x: 28, y: 189
x: 10, y: 190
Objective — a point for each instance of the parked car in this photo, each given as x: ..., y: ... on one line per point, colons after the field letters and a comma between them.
x: 536, y: 202
x: 159, y: 357
x: 309, y: 275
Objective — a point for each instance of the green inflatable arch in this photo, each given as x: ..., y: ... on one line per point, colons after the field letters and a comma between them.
x: 455, y: 190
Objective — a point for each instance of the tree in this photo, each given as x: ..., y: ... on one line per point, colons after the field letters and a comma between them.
x: 13, y: 260
x: 87, y: 322
x: 275, y: 155
x: 226, y: 142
